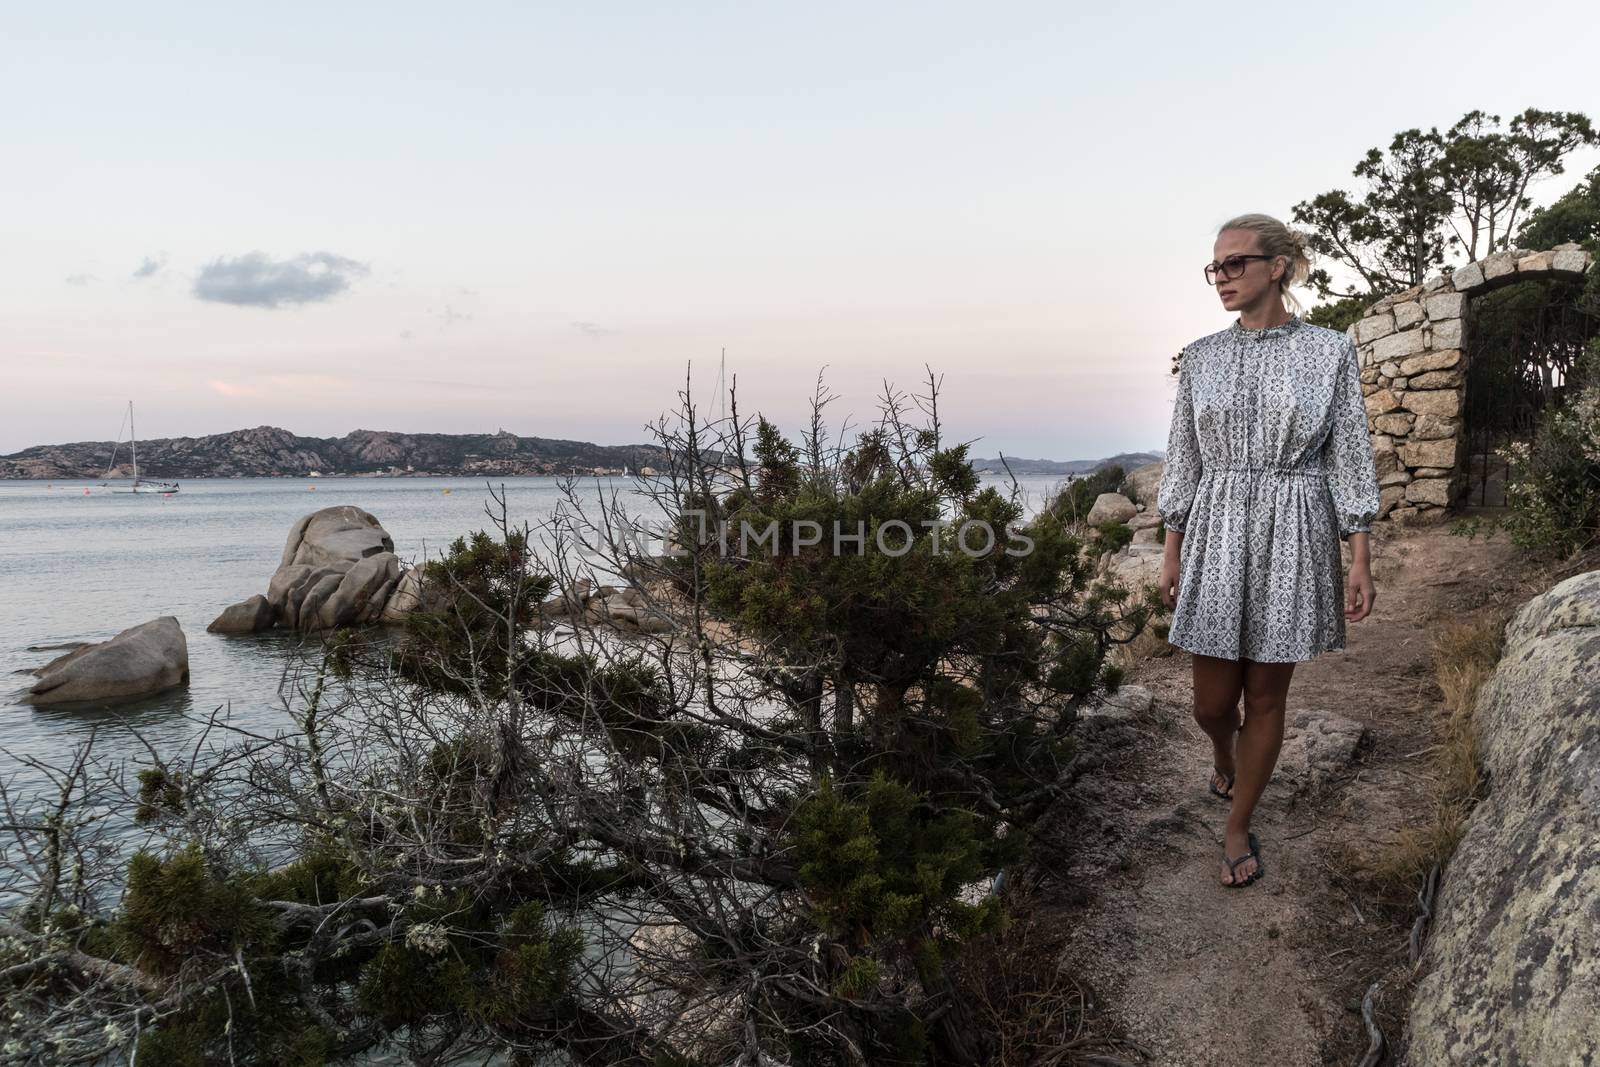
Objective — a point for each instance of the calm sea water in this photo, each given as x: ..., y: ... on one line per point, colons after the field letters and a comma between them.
x: 81, y: 566
x: 77, y: 566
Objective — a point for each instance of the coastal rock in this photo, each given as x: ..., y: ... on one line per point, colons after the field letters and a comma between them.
x: 406, y: 598
x: 143, y: 659
x: 1511, y: 969
x: 569, y: 602
x: 245, y: 617
x: 338, y: 568
x: 334, y: 537
x: 1137, y: 565
x: 349, y: 601
x: 1143, y: 483
x: 628, y: 609
x: 1111, y: 507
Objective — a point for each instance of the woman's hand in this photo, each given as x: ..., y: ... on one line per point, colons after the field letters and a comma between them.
x: 1168, y: 582
x: 1359, y: 592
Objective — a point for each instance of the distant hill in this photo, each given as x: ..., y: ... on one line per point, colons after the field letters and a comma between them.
x: 268, y: 451
x: 1126, y: 460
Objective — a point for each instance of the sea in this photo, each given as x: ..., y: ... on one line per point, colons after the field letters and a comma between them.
x: 79, y: 562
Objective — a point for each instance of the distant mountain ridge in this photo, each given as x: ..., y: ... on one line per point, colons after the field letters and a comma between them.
x: 269, y: 451
x: 1126, y: 460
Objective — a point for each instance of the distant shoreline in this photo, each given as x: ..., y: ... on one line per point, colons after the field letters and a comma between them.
x: 273, y: 452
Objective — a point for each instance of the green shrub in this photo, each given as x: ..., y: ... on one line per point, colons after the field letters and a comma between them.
x: 1553, y: 489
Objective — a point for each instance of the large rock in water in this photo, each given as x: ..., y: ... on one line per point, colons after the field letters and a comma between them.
x: 245, y: 617
x: 1512, y: 968
x: 140, y: 660
x: 338, y: 569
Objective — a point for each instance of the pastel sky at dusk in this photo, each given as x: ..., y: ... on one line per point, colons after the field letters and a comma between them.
x: 528, y: 216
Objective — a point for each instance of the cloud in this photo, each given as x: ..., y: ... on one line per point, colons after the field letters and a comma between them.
x: 450, y: 316
x: 593, y: 329
x: 230, y: 389
x: 150, y: 266
x: 254, y: 280
x: 79, y: 279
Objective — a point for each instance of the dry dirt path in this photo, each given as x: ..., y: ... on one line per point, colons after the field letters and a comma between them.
x: 1198, y: 974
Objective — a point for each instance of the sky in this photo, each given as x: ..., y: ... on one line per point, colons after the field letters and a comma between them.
x: 549, y: 218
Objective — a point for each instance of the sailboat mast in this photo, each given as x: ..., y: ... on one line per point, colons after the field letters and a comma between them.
x: 133, y: 441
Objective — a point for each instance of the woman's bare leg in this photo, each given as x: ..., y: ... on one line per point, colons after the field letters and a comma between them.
x: 1218, y: 684
x: 1266, y: 692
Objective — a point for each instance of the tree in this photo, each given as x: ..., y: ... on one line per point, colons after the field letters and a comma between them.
x: 1392, y: 236
x: 1574, y: 216
x: 761, y: 837
x: 1431, y: 195
x: 1488, y: 173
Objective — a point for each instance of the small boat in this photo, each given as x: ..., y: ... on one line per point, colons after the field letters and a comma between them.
x: 139, y: 485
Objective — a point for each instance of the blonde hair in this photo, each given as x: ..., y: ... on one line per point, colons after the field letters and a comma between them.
x: 1276, y: 239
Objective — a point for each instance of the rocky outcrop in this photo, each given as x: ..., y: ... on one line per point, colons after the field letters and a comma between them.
x: 338, y: 569
x: 406, y: 598
x: 1143, y: 484
x: 140, y: 660
x: 630, y: 610
x: 1512, y: 967
x: 1139, y: 562
x: 1111, y: 507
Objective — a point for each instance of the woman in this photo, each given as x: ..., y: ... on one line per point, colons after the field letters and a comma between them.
x: 1269, y: 466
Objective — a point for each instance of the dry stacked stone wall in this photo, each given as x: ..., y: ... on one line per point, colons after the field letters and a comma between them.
x: 1415, y: 348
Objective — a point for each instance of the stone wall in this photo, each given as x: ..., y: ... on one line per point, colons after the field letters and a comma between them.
x: 1414, y: 348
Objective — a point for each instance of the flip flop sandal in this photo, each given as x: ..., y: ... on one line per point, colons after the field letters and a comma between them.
x: 1212, y: 785
x: 1261, y: 868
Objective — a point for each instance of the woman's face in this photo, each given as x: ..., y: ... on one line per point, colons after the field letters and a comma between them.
x: 1257, y: 279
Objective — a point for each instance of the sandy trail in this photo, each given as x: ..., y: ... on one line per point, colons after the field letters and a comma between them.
x: 1197, y: 974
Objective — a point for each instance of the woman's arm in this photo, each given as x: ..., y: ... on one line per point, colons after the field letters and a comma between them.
x: 1180, y: 478
x: 1353, y: 481
x: 1347, y: 453
x: 1180, y: 473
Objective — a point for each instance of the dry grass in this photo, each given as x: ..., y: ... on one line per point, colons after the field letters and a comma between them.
x: 1464, y: 656
x: 1032, y: 1012
x: 1148, y: 645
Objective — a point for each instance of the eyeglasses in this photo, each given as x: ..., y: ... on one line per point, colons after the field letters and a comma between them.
x: 1230, y: 268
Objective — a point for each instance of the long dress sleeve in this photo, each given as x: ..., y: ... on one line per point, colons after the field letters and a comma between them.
x: 1180, y: 476
x: 1347, y: 453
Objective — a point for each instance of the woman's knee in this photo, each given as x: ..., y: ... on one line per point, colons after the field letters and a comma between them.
x: 1262, y: 705
x: 1212, y: 713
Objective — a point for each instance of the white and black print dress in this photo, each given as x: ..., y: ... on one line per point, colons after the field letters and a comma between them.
x: 1269, y: 465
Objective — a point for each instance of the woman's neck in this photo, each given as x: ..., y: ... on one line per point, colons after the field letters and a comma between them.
x: 1269, y: 313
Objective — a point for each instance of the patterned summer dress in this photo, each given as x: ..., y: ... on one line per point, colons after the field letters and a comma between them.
x: 1269, y: 465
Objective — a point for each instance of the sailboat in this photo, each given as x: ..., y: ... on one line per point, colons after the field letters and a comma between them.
x: 139, y: 485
